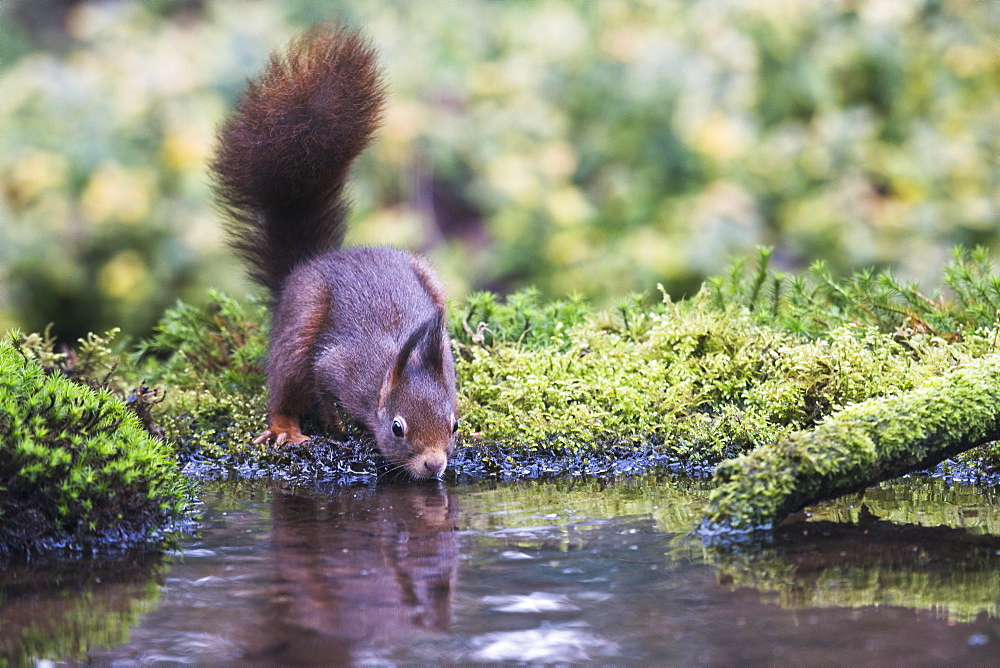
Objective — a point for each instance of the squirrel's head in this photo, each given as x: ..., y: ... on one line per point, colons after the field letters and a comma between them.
x: 417, y: 414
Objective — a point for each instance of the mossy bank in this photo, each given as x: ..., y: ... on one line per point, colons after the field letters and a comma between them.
x: 549, y: 388
x: 78, y: 471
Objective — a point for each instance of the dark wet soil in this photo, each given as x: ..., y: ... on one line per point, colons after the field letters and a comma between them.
x: 331, y: 462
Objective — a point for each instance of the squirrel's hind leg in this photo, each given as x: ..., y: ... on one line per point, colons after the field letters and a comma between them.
x: 299, y: 319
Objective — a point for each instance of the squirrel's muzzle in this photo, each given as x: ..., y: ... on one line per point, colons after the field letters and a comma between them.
x: 428, y: 465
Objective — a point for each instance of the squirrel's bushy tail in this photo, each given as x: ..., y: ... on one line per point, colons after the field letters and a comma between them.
x: 282, y: 160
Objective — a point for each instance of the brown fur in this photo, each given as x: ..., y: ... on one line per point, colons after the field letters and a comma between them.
x: 430, y: 281
x: 360, y: 330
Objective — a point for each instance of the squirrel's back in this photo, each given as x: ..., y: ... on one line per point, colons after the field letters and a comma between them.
x: 283, y: 158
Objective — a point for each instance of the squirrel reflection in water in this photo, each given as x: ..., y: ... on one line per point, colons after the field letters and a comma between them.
x: 364, y: 565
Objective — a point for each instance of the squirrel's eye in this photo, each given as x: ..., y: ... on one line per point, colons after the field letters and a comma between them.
x: 454, y: 426
x: 397, y: 428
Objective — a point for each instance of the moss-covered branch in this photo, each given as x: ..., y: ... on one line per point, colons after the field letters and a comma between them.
x: 863, y: 444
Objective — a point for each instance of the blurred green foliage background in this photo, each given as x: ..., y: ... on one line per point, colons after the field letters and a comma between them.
x: 594, y: 147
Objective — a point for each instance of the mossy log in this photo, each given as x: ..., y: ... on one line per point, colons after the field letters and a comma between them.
x: 859, y: 446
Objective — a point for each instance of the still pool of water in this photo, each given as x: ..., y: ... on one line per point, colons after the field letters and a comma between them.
x: 566, y: 571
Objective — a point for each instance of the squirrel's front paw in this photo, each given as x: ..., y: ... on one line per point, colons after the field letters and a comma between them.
x: 282, y: 430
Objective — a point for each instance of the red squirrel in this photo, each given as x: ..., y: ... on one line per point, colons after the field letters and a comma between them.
x: 361, y: 330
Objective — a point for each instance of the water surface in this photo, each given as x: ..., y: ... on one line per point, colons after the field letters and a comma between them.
x: 583, y: 572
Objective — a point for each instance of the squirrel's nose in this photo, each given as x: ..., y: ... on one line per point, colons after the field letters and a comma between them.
x: 435, y: 464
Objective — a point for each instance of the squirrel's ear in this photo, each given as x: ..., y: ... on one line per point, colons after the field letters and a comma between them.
x: 428, y: 337
x: 434, y: 344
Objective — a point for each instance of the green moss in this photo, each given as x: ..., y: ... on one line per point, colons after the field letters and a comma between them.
x: 606, y: 385
x: 483, y: 319
x: 93, y: 362
x: 860, y: 445
x: 813, y: 302
x: 694, y: 380
x: 221, y: 345
x: 76, y: 466
x: 210, y: 360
